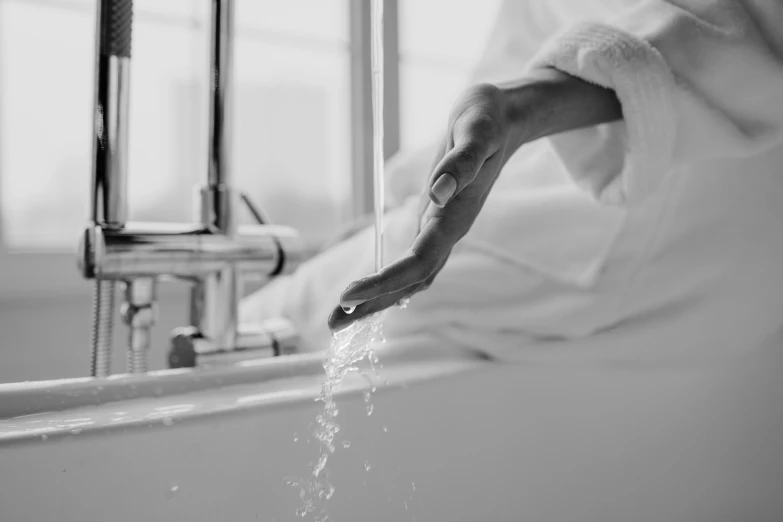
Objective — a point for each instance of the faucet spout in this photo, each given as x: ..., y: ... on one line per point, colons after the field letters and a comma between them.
x: 217, y: 201
x: 214, y: 255
x: 108, y: 206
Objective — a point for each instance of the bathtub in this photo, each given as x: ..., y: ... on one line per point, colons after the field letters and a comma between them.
x: 452, y: 437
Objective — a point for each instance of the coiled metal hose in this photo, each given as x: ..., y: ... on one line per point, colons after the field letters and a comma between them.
x: 102, y: 323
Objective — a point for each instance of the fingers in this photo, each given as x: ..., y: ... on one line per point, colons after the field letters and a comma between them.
x: 457, y: 169
x: 475, y: 136
x: 340, y: 319
x: 400, y: 275
x: 426, y: 257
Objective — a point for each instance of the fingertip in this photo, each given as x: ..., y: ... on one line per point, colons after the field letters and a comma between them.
x: 349, y: 305
x: 336, y: 319
x: 443, y: 189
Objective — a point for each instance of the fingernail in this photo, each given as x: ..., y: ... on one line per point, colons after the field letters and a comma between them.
x: 443, y: 188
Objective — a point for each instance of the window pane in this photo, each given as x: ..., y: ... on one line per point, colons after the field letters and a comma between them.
x: 319, y: 21
x: 453, y: 30
x: 45, y: 113
x: 292, y: 136
x: 440, y: 41
x: 291, y: 104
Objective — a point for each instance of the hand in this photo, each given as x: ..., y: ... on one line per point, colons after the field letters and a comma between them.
x: 486, y: 126
x: 478, y: 142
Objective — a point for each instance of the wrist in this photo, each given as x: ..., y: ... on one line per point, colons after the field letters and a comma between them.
x: 547, y: 101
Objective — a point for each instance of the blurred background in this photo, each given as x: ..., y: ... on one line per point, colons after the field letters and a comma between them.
x: 294, y: 145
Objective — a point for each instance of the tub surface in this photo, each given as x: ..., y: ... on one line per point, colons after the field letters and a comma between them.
x: 477, y: 440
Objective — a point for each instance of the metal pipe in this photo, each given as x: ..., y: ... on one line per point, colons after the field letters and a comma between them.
x: 215, y: 307
x: 140, y: 314
x: 186, y: 252
x: 217, y: 202
x: 214, y: 298
x: 272, y: 337
x: 108, y: 204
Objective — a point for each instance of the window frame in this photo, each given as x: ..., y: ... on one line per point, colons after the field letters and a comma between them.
x: 50, y: 273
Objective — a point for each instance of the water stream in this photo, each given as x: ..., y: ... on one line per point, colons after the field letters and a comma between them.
x: 354, y: 344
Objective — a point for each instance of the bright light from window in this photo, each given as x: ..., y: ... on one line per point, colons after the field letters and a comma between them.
x: 291, y: 128
x: 440, y: 41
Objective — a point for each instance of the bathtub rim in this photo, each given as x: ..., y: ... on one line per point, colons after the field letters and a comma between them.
x: 260, y: 383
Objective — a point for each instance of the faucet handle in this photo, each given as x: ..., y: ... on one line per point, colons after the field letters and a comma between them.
x: 258, y: 214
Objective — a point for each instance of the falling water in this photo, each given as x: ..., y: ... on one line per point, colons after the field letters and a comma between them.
x: 377, y: 126
x: 348, y: 348
x: 352, y: 345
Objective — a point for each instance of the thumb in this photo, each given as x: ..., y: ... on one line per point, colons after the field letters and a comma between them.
x: 461, y: 164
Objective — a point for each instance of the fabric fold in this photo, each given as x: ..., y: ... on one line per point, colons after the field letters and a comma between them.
x: 623, y: 162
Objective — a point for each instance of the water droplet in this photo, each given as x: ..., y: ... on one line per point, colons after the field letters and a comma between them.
x: 370, y: 408
x: 44, y: 436
x: 168, y: 421
x: 406, y: 505
x: 403, y: 303
x: 349, y: 309
x: 346, y: 444
x: 385, y: 429
x: 367, y: 396
x: 296, y: 437
x: 367, y: 466
x: 374, y: 389
x: 413, y: 486
x: 76, y: 431
x: 171, y: 492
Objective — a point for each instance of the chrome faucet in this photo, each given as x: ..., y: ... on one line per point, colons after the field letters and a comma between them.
x: 214, y: 255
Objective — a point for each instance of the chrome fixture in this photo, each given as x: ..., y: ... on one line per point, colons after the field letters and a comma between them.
x: 214, y: 255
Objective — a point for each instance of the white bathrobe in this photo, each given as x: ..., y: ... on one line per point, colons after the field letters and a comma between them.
x: 653, y: 239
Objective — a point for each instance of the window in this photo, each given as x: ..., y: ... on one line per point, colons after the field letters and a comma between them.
x: 440, y: 41
x: 291, y: 126
x: 296, y: 123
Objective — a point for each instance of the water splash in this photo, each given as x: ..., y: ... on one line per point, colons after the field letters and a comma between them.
x: 349, y: 347
x: 368, y: 403
x: 354, y: 343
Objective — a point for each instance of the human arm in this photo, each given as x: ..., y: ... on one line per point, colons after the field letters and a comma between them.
x: 696, y: 79
x: 487, y: 125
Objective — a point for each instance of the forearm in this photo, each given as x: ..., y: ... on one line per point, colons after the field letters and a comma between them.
x: 547, y: 101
